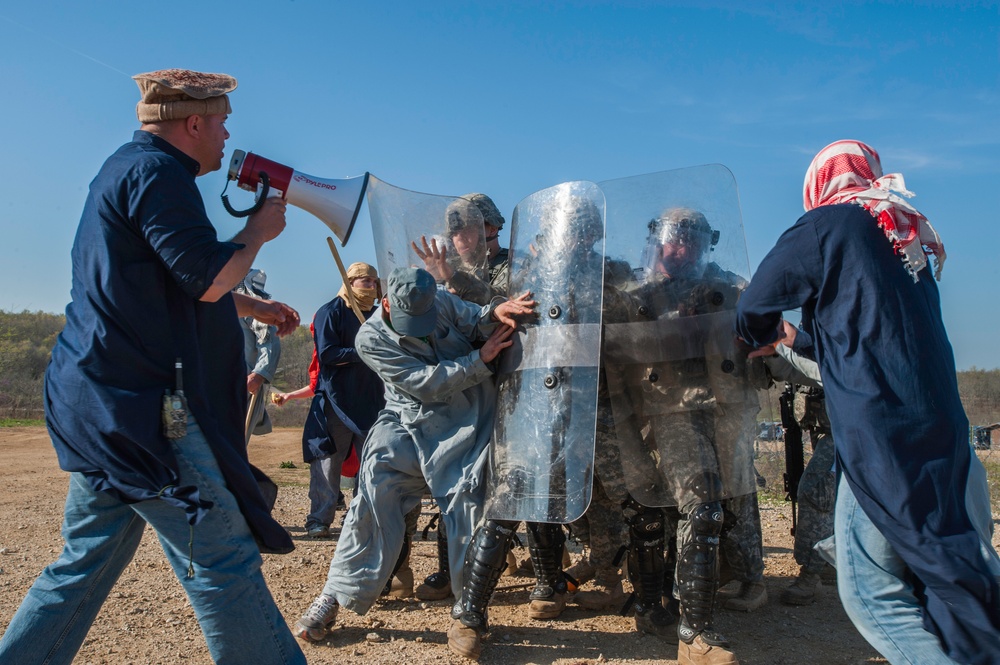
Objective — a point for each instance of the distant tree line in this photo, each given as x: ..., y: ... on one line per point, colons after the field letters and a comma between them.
x: 26, y: 340
x: 980, y: 392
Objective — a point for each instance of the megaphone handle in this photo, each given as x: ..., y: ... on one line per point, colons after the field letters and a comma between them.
x: 347, y: 282
x: 265, y: 186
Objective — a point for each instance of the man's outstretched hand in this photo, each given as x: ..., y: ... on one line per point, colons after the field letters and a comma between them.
x: 508, y: 312
x: 277, y: 314
x: 497, y: 342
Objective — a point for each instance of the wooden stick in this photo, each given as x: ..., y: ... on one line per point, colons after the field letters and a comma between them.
x: 254, y: 399
x: 347, y: 282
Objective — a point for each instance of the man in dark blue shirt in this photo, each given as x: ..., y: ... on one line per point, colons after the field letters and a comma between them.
x: 145, y: 395
x: 910, y: 571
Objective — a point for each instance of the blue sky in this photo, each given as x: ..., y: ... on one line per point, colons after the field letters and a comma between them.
x: 510, y: 98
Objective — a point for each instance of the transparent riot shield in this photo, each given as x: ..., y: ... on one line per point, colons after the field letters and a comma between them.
x: 453, y: 226
x: 684, y: 409
x: 541, y: 465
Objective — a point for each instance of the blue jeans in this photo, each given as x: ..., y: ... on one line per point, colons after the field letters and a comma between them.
x: 871, y: 579
x: 324, y: 472
x: 238, y: 616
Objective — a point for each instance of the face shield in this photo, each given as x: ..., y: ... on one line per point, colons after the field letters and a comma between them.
x: 681, y: 241
x: 466, y: 232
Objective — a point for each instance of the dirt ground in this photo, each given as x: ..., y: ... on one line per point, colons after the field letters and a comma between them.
x: 147, y: 618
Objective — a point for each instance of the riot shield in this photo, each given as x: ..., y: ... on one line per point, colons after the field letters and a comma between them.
x: 684, y: 409
x: 541, y: 465
x: 400, y: 217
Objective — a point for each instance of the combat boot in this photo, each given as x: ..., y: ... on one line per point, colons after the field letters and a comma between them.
x: 706, y: 648
x: 646, y: 571
x: 511, y: 569
x: 606, y: 591
x: 803, y: 590
x: 545, y: 543
x: 437, y: 585
x: 656, y: 621
x: 582, y: 571
x: 466, y: 641
x: 401, y: 585
x: 484, y: 559
x: 750, y: 596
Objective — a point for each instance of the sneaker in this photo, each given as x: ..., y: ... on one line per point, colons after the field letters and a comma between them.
x: 465, y: 641
x: 315, y: 623
x: 750, y: 596
x: 802, y: 591
x: 436, y: 586
x: 703, y: 651
x: 318, y: 531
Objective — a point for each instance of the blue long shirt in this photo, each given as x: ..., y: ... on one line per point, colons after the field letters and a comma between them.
x: 144, y: 253
x: 347, y: 385
x: 892, y: 395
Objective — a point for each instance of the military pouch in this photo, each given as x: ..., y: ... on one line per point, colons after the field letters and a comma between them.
x: 174, y: 409
x: 174, y: 415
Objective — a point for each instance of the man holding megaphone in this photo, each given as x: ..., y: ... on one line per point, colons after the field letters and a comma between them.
x: 145, y: 395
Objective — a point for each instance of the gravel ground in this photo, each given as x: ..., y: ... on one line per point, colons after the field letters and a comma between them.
x: 147, y: 618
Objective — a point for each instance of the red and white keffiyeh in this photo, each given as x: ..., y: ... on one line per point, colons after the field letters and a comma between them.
x: 850, y: 171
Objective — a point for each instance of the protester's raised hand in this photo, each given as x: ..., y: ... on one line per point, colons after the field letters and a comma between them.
x: 497, y: 342
x: 507, y: 312
x: 435, y: 258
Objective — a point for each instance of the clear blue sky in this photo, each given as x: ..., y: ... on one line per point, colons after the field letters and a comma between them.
x: 509, y: 98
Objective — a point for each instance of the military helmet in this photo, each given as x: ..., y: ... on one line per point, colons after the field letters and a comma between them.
x: 684, y: 226
x: 488, y: 209
x: 461, y: 213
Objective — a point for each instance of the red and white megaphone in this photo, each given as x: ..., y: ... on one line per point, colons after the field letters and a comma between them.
x: 335, y: 202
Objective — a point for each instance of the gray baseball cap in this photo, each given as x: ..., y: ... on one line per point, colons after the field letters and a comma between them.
x: 412, y: 305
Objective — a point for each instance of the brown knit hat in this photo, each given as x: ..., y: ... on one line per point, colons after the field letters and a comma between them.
x: 175, y: 94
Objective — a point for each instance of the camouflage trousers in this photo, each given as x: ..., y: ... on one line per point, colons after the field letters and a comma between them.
x: 603, y: 526
x: 817, y: 498
x: 742, y: 544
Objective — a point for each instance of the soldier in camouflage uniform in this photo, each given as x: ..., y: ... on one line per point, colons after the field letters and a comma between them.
x: 467, y: 285
x: 817, y: 497
x: 817, y: 491
x: 605, y: 522
x: 691, y: 412
x: 562, y: 247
